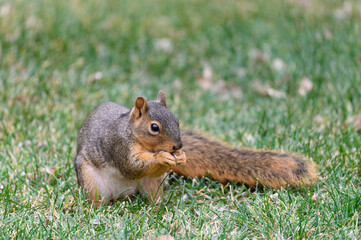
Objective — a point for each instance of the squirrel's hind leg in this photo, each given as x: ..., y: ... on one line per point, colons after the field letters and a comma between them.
x: 86, y: 178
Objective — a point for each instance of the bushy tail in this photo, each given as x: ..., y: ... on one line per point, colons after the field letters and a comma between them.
x: 252, y: 167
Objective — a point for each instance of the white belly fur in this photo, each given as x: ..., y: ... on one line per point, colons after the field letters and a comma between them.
x: 108, y: 182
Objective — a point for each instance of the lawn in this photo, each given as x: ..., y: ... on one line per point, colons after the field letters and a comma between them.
x: 278, y: 74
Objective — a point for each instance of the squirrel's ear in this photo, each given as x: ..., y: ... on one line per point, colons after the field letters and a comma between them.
x: 161, y: 98
x: 140, y: 108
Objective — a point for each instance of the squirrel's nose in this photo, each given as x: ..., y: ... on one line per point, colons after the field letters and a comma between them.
x: 178, y: 146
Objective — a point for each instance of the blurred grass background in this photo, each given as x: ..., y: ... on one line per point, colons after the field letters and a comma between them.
x: 232, y: 69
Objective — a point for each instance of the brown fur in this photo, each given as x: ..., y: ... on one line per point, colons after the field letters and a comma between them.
x: 224, y: 163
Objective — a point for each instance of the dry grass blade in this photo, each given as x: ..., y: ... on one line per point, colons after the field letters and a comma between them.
x: 266, y: 90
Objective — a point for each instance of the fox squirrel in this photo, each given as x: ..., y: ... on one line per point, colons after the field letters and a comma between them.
x: 122, y: 151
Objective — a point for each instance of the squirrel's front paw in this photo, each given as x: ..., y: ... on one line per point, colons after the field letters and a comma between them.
x: 171, y: 159
x: 180, y: 157
x: 165, y: 158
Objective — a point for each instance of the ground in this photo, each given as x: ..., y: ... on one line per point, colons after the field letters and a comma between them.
x: 278, y: 74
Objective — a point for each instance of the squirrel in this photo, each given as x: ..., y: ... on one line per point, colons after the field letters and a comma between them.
x: 122, y: 151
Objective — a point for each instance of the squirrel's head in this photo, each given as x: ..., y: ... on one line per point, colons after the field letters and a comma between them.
x: 154, y: 126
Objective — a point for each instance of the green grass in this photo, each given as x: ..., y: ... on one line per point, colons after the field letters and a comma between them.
x: 50, y: 50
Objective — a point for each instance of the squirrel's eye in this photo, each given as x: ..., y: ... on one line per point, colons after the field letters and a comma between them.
x: 154, y: 127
